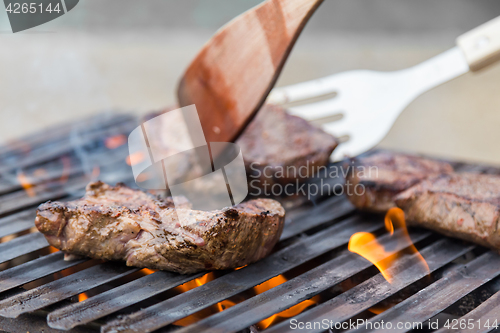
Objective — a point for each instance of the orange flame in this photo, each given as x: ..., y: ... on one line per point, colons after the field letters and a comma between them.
x: 82, y: 297
x: 147, y: 271
x: 196, y: 282
x: 116, y: 141
x: 26, y: 184
x: 378, y: 309
x: 6, y: 239
x: 366, y: 245
x: 53, y: 249
x: 221, y: 306
x: 135, y: 158
x: 291, y: 312
x: 226, y: 304
x: 203, y: 313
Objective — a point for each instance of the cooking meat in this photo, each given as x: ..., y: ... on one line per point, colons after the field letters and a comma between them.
x: 463, y: 205
x: 274, y: 146
x: 119, y: 223
x: 374, y: 180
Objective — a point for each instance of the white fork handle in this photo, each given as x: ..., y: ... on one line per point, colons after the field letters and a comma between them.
x: 481, y: 45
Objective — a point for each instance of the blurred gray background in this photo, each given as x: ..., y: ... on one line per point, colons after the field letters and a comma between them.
x: 128, y: 55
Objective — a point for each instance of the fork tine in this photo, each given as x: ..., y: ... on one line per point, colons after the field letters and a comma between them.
x: 350, y: 148
x: 322, y: 109
x: 341, y: 152
x: 338, y: 128
x: 304, y: 90
x: 363, y: 135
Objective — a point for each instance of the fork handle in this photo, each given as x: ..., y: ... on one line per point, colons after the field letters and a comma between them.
x: 481, y: 45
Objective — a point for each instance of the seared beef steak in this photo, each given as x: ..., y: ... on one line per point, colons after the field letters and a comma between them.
x: 383, y: 175
x: 119, y: 223
x: 463, y: 205
x: 274, y: 146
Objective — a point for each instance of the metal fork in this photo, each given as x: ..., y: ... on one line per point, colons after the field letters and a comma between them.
x: 367, y: 103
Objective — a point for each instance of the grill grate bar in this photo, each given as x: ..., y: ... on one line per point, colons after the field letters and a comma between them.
x: 488, y: 311
x: 191, y: 301
x: 48, y: 152
x: 299, y: 250
x: 22, y: 245
x: 63, y: 288
x: 34, y: 269
x: 376, y: 289
x: 56, y: 169
x: 93, y: 307
x: 438, y: 296
x: 35, y: 323
x: 326, y: 211
x: 295, y: 290
x: 17, y: 222
x: 116, y: 299
x: 19, y: 200
x: 58, y: 133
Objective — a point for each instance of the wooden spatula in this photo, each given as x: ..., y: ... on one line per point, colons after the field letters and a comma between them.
x: 233, y: 73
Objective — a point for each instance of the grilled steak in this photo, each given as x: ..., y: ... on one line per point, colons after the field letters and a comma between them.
x: 463, y: 205
x: 119, y: 223
x: 374, y: 180
x: 274, y: 146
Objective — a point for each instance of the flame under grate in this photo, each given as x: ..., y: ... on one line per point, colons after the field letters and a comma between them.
x: 311, y: 276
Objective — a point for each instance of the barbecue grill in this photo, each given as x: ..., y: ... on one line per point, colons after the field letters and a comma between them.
x: 41, y: 292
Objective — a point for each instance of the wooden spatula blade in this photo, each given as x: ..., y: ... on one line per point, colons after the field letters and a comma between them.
x: 234, y: 72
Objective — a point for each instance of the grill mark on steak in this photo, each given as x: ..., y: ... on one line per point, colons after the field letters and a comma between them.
x: 119, y: 223
x: 394, y: 173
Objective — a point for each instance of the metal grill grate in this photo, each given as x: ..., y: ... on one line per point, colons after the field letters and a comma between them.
x: 36, y: 295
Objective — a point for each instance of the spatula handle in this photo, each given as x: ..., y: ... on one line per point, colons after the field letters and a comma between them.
x: 481, y: 45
